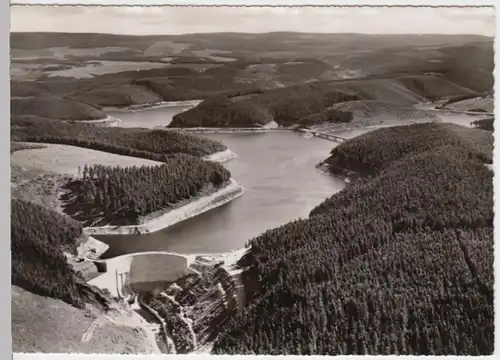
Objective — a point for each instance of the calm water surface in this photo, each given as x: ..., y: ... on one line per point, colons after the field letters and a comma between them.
x: 460, y: 119
x: 278, y: 172
x: 149, y: 118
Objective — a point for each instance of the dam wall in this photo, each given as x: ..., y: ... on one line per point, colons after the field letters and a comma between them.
x: 132, y: 273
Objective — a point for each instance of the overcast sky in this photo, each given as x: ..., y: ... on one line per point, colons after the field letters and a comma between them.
x: 181, y: 20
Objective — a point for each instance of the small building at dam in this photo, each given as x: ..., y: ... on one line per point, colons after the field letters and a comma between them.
x: 132, y: 273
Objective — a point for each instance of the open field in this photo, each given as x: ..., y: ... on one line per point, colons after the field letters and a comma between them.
x: 105, y: 67
x: 64, y: 52
x: 478, y: 104
x: 66, y: 159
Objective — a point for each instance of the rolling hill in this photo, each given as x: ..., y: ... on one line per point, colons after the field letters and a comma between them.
x: 396, y: 263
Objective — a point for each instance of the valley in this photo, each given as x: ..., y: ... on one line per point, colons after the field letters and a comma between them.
x: 171, y: 191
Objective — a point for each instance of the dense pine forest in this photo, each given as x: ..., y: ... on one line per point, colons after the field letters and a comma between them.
x: 107, y: 195
x: 38, y: 239
x: 399, y: 262
x: 485, y: 124
x: 369, y: 153
x: 55, y: 108
x: 286, y: 106
x: 143, y: 143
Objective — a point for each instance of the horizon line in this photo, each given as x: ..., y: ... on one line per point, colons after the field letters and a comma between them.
x: 246, y: 32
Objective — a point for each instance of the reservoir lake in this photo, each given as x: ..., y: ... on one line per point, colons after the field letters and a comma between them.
x: 277, y: 170
x: 148, y: 118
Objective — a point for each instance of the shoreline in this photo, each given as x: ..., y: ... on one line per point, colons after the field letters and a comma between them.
x: 219, y: 130
x: 156, y: 105
x: 222, y: 196
x: 107, y: 121
x: 229, y: 130
x: 221, y: 156
x: 322, y: 135
x: 325, y: 168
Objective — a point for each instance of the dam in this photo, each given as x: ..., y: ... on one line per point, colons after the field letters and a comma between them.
x: 132, y: 273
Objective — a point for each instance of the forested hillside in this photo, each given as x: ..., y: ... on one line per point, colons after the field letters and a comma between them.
x: 397, y: 263
x: 307, y: 103
x: 54, y: 108
x: 285, y: 106
x: 371, y: 152
x: 38, y: 238
x: 149, y: 144
x: 108, y: 195
x: 485, y: 124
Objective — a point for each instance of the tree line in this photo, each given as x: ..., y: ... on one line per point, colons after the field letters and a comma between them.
x: 485, y: 124
x: 143, y: 143
x: 399, y: 262
x: 113, y: 195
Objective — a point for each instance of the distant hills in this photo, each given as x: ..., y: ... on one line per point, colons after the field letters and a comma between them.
x: 233, y: 71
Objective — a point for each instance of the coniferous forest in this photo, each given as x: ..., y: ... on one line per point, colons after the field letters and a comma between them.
x: 38, y: 239
x: 400, y: 262
x: 113, y: 195
x: 301, y: 104
x: 368, y: 153
x: 486, y: 124
x: 143, y: 143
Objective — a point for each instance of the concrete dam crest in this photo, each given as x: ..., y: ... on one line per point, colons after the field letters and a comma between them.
x: 138, y: 272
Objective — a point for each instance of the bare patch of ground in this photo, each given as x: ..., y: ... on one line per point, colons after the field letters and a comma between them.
x: 56, y: 327
x: 37, y: 186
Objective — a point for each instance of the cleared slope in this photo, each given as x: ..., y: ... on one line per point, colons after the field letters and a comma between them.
x: 75, y: 330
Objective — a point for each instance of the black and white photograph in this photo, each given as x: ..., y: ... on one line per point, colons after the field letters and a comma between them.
x: 252, y: 180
